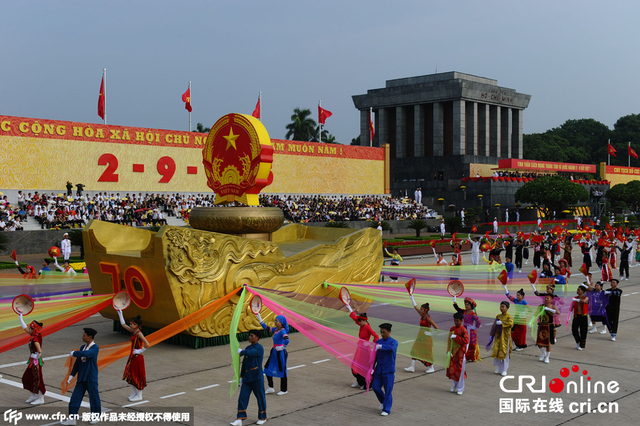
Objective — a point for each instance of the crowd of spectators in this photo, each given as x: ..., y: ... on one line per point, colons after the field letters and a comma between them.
x: 65, y: 211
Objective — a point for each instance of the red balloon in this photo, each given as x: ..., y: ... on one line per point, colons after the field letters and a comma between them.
x: 54, y: 251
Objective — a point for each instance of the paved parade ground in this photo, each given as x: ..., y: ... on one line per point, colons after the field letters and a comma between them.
x: 183, y: 380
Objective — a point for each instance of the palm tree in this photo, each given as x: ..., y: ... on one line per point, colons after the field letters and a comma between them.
x: 329, y: 138
x: 302, y: 126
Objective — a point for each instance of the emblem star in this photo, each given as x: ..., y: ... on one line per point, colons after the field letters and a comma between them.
x: 231, y: 139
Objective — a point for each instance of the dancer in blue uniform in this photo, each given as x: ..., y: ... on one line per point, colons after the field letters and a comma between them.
x: 384, y: 371
x: 277, y: 363
x: 252, y: 379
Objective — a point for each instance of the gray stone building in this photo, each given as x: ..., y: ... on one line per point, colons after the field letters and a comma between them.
x: 438, y: 125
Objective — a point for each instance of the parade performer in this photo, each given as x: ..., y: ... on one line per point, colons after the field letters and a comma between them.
x: 597, y: 307
x: 32, y: 379
x: 607, y: 274
x: 545, y: 336
x: 475, y: 249
x: 519, y: 330
x: 134, y: 371
x: 395, y: 261
x: 422, y: 349
x: 567, y: 251
x: 585, y: 248
x: 456, y: 259
x: 86, y: 367
x: 277, y: 363
x: 624, y: 259
x: 439, y: 259
x: 519, y: 251
x: 580, y: 309
x: 456, y: 349
x: 365, y: 333
x: 384, y: 370
x: 65, y: 246
x: 472, y: 323
x: 29, y: 274
x: 614, y: 296
x: 252, y: 380
x: 501, y: 339
x: 65, y: 268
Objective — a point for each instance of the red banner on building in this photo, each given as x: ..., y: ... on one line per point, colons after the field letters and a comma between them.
x: 545, y: 166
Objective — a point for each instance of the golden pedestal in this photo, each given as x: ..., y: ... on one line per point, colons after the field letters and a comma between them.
x: 177, y: 270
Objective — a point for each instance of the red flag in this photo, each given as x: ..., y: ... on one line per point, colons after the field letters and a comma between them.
x: 503, y: 277
x: 256, y: 111
x: 453, y: 237
x: 372, y: 131
x: 186, y: 98
x: 611, y: 150
x: 583, y: 269
x: 14, y: 256
x: 474, y: 229
x: 101, y: 100
x: 506, y: 231
x: 323, y: 114
x: 533, y: 276
x: 632, y: 152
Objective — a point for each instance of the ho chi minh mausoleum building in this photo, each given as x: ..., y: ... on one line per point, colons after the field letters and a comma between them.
x: 445, y: 131
x: 441, y: 128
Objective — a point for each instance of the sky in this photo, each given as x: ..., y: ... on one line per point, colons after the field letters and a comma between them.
x: 577, y: 59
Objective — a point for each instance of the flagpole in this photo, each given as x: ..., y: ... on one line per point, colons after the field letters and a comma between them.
x: 104, y: 75
x: 189, y: 104
x: 260, y: 106
x: 319, y: 123
x: 609, y: 154
x: 370, y: 124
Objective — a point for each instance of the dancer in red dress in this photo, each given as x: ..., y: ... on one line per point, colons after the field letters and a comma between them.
x: 32, y: 379
x: 134, y: 372
x: 365, y: 333
x: 457, y: 347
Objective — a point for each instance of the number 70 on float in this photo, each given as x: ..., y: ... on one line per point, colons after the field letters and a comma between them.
x: 143, y: 298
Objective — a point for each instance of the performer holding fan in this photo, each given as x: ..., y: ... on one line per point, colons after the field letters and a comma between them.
x: 277, y: 363
x: 32, y: 379
x: 365, y: 333
x: 422, y: 348
x: 471, y: 321
x: 134, y: 371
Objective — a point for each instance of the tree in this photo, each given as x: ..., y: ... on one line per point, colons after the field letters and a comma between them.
x: 551, y: 193
x: 628, y: 194
x: 418, y: 225
x: 328, y: 138
x: 355, y: 141
x: 302, y: 126
x: 314, y: 137
x: 626, y: 129
x: 201, y: 129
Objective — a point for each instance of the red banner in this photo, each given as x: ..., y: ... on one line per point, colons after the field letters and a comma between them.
x: 533, y: 165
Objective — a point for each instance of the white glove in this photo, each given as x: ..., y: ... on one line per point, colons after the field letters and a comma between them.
x: 553, y: 311
x: 138, y: 351
x: 239, y: 350
x: 279, y: 348
x: 454, y: 299
x: 506, y: 291
x: 575, y: 299
x: 428, y: 333
x: 378, y: 347
x: 70, y: 378
x: 17, y: 264
x: 349, y: 308
x: 533, y: 286
x: 448, y: 354
x: 71, y: 354
x: 24, y: 326
x: 121, y: 317
x: 498, y: 322
x: 259, y: 318
x: 453, y: 336
x: 413, y: 300
x: 35, y: 356
x: 55, y: 259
